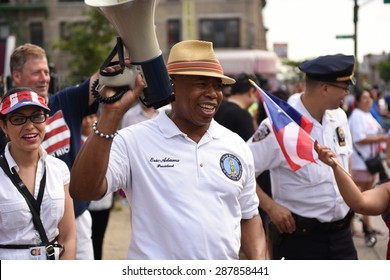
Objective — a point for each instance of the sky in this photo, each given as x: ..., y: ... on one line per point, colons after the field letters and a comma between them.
x: 310, y: 27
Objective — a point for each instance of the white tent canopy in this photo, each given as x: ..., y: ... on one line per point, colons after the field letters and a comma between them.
x: 250, y: 61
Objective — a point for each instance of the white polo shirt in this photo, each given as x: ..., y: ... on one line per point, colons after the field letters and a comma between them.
x: 16, y: 225
x: 363, y: 124
x: 310, y: 191
x: 187, y: 198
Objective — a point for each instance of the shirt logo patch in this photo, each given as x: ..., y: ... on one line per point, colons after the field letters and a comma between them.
x: 261, y: 133
x: 231, y: 167
x: 340, y: 136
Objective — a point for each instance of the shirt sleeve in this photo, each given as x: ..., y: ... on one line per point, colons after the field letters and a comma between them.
x: 248, y: 198
x: 265, y: 148
x: 118, y: 171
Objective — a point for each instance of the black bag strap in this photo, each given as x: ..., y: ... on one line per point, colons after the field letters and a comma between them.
x: 357, y: 151
x: 33, y: 204
x: 383, y: 176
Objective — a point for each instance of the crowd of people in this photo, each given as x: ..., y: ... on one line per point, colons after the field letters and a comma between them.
x: 205, y: 177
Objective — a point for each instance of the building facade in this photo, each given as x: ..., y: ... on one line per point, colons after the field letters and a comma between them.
x: 369, y: 70
x: 229, y: 24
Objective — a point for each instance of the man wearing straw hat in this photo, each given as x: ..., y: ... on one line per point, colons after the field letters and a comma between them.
x: 189, y: 181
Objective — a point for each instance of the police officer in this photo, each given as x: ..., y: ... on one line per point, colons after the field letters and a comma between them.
x: 309, y: 218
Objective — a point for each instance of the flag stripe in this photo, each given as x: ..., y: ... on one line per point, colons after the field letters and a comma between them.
x: 60, y: 144
x: 294, y: 115
x: 57, y: 138
x: 279, y: 138
x: 56, y: 130
x: 305, y: 146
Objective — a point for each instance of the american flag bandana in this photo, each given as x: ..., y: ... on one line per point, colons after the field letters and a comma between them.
x: 20, y: 99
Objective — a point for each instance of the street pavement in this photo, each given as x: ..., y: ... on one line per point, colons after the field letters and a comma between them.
x: 119, y: 232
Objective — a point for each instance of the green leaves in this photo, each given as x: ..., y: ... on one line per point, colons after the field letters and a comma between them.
x: 88, y: 43
x: 384, y: 70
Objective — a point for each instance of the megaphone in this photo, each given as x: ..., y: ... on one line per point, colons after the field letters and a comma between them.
x: 134, y: 22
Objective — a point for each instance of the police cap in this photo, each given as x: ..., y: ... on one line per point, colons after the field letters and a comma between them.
x: 330, y: 68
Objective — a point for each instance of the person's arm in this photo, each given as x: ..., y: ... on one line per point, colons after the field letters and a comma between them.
x: 373, y: 139
x: 67, y: 228
x: 253, y: 238
x: 372, y: 202
x: 279, y: 215
x: 88, y: 181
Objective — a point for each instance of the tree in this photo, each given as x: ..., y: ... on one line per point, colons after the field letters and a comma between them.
x: 384, y: 70
x: 293, y: 74
x: 89, y: 44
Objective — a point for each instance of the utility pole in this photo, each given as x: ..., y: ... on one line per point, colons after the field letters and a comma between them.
x: 355, y: 38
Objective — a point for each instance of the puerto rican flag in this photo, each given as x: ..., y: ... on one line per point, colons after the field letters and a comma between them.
x: 292, y: 130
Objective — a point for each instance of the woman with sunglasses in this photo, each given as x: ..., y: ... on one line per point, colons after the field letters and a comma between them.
x: 45, y: 179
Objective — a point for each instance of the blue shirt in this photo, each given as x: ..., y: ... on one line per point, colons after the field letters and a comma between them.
x: 63, y: 130
x: 375, y: 111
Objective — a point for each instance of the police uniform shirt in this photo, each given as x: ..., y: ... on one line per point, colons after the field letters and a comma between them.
x: 310, y: 191
x: 16, y: 224
x: 187, y: 198
x: 362, y: 125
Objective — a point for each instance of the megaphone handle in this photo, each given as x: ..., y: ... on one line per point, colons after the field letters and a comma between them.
x: 107, y: 100
x: 118, y: 49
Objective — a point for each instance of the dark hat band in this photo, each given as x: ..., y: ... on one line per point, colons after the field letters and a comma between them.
x: 330, y: 79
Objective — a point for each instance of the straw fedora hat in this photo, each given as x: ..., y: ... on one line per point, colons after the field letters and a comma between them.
x: 193, y: 57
